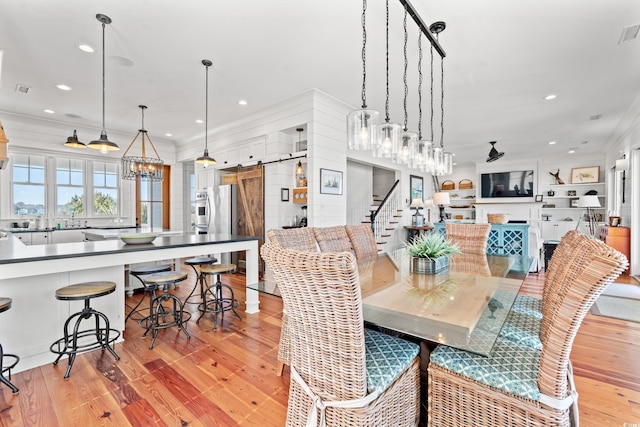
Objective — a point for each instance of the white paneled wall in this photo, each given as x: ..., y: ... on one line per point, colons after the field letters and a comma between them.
x: 359, y: 190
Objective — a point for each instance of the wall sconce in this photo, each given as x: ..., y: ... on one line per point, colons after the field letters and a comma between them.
x: 623, y: 165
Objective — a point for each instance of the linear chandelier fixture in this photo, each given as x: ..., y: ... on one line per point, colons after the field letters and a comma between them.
x: 205, y: 160
x: 143, y: 167
x: 103, y: 144
x: 391, y: 140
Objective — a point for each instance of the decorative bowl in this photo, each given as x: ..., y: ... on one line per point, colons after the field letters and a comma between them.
x: 138, y: 239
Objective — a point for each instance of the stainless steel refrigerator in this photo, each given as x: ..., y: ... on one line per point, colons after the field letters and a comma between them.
x: 221, y: 215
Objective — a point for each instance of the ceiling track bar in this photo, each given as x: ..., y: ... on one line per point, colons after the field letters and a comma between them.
x: 423, y: 27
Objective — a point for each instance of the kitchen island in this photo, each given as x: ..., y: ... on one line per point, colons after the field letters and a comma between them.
x: 31, y: 274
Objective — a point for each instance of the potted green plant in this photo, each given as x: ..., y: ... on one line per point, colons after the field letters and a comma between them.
x: 430, y: 252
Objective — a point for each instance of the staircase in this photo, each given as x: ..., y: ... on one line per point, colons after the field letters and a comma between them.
x: 385, y: 215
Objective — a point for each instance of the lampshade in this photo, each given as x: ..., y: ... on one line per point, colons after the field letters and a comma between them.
x: 441, y: 198
x: 428, y: 203
x: 73, y: 142
x: 589, y: 202
x: 622, y: 164
x: 417, y: 203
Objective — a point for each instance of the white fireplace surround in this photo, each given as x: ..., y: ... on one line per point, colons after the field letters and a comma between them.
x: 518, y: 211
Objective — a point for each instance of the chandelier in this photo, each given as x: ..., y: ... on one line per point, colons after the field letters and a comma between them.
x: 143, y: 167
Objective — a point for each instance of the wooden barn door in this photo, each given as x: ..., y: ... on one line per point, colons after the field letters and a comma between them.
x: 250, y: 207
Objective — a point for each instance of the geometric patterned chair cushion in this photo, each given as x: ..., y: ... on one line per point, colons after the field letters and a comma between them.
x: 510, y: 367
x: 522, y: 329
x: 531, y: 306
x: 386, y: 358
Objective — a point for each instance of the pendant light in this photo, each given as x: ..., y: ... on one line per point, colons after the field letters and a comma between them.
x: 388, y: 133
x: 300, y: 178
x: 73, y: 142
x: 423, y: 158
x: 362, y: 125
x: 407, y: 141
x: 143, y: 167
x: 443, y: 161
x: 103, y: 144
x: 205, y: 160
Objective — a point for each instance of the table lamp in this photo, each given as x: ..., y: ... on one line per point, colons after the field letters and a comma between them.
x: 590, y: 202
x: 417, y: 220
x: 441, y: 199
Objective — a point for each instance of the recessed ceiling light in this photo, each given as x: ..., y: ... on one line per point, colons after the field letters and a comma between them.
x: 48, y: 111
x: 552, y: 143
x: 572, y: 151
x: 199, y: 121
x: 242, y: 102
x: 550, y: 97
x: 168, y: 134
x: 85, y: 48
x: 63, y: 87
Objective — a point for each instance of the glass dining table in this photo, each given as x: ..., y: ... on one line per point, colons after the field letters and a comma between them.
x: 464, y: 306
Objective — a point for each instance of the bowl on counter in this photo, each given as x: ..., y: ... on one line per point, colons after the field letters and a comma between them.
x: 138, y: 239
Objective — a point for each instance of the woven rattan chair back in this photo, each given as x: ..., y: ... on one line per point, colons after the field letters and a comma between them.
x: 592, y: 266
x: 332, y: 239
x: 362, y: 240
x: 558, y: 265
x: 301, y: 239
x: 327, y: 337
x: 470, y: 238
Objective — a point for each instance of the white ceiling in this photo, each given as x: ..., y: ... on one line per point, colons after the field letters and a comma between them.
x: 503, y: 57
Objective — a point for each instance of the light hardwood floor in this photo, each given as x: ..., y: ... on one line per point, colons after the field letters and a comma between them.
x: 226, y: 377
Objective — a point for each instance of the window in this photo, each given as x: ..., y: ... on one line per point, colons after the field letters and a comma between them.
x: 70, y: 199
x: 105, y: 188
x: 28, y: 185
x: 151, y: 203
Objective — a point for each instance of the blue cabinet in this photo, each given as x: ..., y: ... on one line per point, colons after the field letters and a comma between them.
x: 504, y: 239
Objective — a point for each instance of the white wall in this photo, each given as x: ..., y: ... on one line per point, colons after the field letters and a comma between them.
x: 360, y: 192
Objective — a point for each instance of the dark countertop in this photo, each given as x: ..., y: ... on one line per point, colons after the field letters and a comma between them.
x: 12, y: 250
x: 45, y: 230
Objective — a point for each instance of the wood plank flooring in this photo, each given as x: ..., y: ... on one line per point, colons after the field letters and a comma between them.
x: 226, y: 377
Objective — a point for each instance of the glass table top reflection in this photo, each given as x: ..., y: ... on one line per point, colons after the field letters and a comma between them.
x: 464, y: 306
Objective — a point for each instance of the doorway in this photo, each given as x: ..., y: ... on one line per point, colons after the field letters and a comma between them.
x: 153, y: 205
x: 250, y: 207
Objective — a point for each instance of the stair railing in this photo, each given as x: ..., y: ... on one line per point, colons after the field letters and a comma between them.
x: 387, y: 210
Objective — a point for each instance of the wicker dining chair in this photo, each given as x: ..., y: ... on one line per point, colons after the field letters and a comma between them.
x: 362, y: 377
x: 517, y: 385
x: 470, y: 238
x: 471, y: 264
x: 333, y: 239
x: 302, y: 239
x: 362, y: 240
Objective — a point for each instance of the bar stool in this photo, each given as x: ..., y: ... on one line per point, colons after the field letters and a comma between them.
x: 200, y: 278
x: 143, y: 271
x: 161, y: 317
x: 5, y: 304
x: 218, y: 303
x: 102, y: 337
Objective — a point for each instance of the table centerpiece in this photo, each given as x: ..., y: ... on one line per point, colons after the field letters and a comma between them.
x: 430, y: 253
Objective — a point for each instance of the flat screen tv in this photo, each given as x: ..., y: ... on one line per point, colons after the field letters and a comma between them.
x: 507, y: 184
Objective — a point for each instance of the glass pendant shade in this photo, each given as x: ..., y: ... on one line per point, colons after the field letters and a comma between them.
x: 438, y: 162
x: 362, y: 128
x: 406, y: 147
x: 427, y: 156
x: 388, y: 135
x: 417, y: 157
x: 447, y: 163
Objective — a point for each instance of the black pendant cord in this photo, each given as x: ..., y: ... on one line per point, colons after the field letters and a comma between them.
x: 441, y: 101
x: 404, y: 76
x: 431, y: 94
x: 103, y: 79
x: 420, y: 87
x: 364, y: 54
x: 206, y: 111
x: 386, y: 103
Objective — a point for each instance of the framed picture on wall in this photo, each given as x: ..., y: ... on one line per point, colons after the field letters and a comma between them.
x: 586, y: 175
x: 416, y: 184
x: 330, y: 182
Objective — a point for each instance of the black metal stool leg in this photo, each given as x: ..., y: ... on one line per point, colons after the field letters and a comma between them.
x: 5, y: 380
